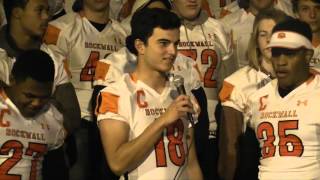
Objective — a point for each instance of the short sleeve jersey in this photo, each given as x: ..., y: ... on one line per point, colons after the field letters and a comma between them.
x: 73, y: 40
x: 288, y: 130
x: 135, y: 103
x: 24, y: 141
x: 240, y: 85
x: 208, y: 45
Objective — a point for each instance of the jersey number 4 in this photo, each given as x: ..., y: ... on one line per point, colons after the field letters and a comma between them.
x: 88, y: 71
x: 34, y: 150
x: 208, y: 57
x: 289, y: 144
x: 175, y: 146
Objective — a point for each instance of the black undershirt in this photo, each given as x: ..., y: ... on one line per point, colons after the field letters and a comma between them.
x: 98, y: 26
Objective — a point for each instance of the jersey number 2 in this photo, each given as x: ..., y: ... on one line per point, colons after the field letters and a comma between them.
x: 34, y: 150
x: 175, y: 146
x: 207, y: 55
x: 269, y: 149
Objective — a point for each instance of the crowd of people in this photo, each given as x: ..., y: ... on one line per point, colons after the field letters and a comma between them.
x: 159, y: 89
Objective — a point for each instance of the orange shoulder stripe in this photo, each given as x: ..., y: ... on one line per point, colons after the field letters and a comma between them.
x: 108, y: 103
x: 101, y: 70
x: 52, y: 34
x: 226, y: 91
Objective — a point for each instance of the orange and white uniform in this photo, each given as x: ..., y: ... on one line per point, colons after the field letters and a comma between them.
x: 6, y: 65
x: 23, y: 142
x: 73, y: 40
x: 112, y: 68
x: 315, y: 61
x: 239, y: 86
x: 288, y: 130
x: 133, y: 102
x: 207, y: 43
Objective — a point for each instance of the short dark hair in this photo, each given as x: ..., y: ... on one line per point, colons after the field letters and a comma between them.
x: 145, y: 20
x: 34, y: 64
x: 77, y: 5
x: 9, y: 5
x: 166, y: 3
x: 295, y: 4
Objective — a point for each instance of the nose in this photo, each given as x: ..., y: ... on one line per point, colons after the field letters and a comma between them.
x: 37, y: 103
x: 172, y: 48
x: 313, y: 13
x: 281, y: 60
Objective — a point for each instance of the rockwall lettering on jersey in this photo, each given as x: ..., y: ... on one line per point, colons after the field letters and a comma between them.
x: 195, y: 44
x: 278, y: 114
x: 154, y: 111
x: 100, y: 46
x: 25, y: 134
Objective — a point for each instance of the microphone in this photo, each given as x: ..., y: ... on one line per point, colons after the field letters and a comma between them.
x: 178, y: 82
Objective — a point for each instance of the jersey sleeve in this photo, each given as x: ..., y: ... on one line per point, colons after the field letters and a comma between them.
x: 232, y: 96
x: 5, y: 66
x: 57, y: 132
x: 112, y: 68
x: 111, y: 105
x: 56, y: 44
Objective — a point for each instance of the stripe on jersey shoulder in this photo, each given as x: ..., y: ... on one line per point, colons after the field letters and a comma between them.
x: 226, y: 91
x: 52, y: 35
x: 3, y: 94
x: 109, y: 103
x: 101, y: 71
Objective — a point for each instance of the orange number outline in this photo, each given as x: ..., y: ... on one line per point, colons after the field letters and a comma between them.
x: 175, y: 136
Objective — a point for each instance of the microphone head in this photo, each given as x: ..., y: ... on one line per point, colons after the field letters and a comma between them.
x: 178, y: 80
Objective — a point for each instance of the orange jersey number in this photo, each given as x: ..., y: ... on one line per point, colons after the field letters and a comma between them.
x: 34, y: 150
x: 88, y: 71
x: 208, y: 57
x: 175, y: 146
x: 285, y: 140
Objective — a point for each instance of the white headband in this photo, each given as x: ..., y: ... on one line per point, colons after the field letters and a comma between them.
x: 289, y: 40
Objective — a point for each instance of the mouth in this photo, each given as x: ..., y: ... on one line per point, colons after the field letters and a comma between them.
x: 282, y: 73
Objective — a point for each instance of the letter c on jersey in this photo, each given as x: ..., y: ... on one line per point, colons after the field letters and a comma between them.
x: 141, y: 99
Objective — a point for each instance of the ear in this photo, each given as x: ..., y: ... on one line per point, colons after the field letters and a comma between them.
x: 12, y: 80
x: 309, y: 55
x: 140, y: 46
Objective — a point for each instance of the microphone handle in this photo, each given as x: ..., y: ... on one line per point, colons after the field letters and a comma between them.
x: 181, y: 90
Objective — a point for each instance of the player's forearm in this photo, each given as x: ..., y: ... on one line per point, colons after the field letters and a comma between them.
x: 230, y: 132
x: 194, y: 171
x: 129, y: 155
x: 66, y: 96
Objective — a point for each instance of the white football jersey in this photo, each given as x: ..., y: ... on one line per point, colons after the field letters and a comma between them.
x: 72, y: 39
x: 239, y: 24
x: 6, y: 65
x: 288, y: 130
x: 283, y: 5
x: 23, y: 142
x: 135, y: 103
x: 239, y: 86
x: 315, y: 61
x: 208, y: 45
x: 112, y: 68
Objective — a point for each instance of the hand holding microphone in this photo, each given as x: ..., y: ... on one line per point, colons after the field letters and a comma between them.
x: 178, y: 82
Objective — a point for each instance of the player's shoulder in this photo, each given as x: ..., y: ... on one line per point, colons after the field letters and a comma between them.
x: 244, y: 76
x: 229, y: 9
x: 66, y: 20
x: 118, y: 27
x: 121, y: 87
x: 233, y: 17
